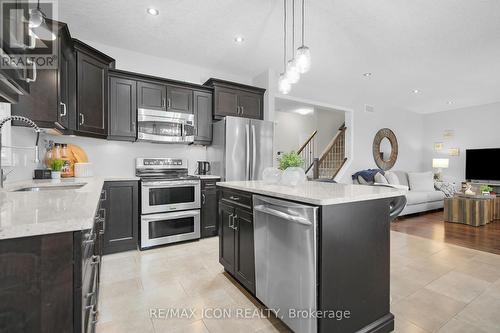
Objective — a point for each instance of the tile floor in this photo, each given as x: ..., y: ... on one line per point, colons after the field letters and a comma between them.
x: 435, y: 287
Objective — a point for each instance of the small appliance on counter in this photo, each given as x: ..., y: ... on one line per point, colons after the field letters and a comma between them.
x: 42, y: 174
x: 203, y: 168
x: 170, y: 201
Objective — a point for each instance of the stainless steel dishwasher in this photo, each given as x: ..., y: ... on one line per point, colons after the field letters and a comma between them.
x: 286, y: 259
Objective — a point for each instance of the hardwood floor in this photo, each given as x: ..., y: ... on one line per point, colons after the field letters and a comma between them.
x: 432, y: 226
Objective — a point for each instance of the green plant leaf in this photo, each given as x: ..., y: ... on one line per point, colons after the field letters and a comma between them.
x: 290, y: 160
x: 56, y: 165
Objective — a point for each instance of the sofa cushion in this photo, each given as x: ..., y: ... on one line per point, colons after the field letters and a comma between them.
x: 417, y: 197
x: 392, y: 178
x: 421, y: 181
x: 380, y: 179
x: 435, y: 196
x: 402, y: 176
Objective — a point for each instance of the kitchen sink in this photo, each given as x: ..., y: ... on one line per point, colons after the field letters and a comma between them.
x: 49, y: 188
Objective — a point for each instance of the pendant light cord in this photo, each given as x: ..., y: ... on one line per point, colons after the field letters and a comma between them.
x: 293, y: 28
x: 284, y: 36
x: 303, y: 22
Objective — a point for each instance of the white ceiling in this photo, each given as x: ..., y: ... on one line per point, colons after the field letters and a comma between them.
x: 448, y: 49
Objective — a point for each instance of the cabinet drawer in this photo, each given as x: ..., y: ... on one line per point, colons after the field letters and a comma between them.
x: 237, y: 197
x: 208, y: 183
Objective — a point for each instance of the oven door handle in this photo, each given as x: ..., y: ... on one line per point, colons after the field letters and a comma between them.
x: 169, y: 216
x: 171, y: 184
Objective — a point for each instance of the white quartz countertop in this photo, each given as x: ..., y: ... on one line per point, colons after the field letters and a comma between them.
x: 316, y: 193
x: 25, y: 214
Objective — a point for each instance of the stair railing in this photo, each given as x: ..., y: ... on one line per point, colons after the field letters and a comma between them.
x: 333, y: 157
x: 307, y: 151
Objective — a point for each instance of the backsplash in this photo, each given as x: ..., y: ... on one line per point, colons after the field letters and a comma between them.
x: 109, y: 158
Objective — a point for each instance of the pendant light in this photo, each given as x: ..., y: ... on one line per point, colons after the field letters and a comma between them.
x: 303, y: 56
x: 284, y: 85
x: 292, y: 71
x: 38, y: 24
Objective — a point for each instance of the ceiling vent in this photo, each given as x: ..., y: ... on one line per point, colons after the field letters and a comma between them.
x: 369, y: 108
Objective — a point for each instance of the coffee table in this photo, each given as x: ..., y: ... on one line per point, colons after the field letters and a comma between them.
x: 475, y: 210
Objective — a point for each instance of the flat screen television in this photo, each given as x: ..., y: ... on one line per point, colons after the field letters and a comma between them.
x: 480, y: 164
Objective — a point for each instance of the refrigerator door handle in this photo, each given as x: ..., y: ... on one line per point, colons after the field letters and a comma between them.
x: 254, y: 155
x: 247, y: 133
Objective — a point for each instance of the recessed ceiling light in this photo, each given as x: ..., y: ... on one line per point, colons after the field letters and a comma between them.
x: 153, y: 11
x: 304, y: 111
x: 239, y: 39
x: 367, y: 74
x: 416, y: 91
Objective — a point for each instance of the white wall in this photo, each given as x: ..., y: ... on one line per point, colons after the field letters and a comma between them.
x: 473, y: 127
x: 112, y: 158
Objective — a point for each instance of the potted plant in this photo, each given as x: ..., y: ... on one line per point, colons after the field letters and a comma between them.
x: 56, y: 167
x: 486, y: 190
x: 291, y: 164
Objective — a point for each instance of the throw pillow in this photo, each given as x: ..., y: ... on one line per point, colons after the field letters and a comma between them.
x: 379, y: 178
x: 362, y: 181
x: 392, y: 178
x: 421, y: 181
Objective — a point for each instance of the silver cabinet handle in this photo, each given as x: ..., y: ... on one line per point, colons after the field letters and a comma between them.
x: 95, y: 260
x: 203, y: 198
x: 82, y: 119
x: 103, y: 195
x: 162, y: 102
x: 235, y: 228
x: 242, y: 110
x: 231, y: 221
x: 90, y: 294
x: 234, y: 198
x: 237, y: 110
x: 64, y: 109
x: 169, y: 103
x: 33, y: 64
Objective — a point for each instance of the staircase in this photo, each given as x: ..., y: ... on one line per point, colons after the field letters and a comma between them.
x: 331, y: 160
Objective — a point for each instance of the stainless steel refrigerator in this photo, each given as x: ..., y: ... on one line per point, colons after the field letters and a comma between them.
x: 241, y: 148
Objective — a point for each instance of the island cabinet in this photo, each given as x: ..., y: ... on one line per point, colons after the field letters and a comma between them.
x: 236, y: 241
x: 50, y: 283
x: 235, y: 99
x: 120, y: 209
x: 92, y: 90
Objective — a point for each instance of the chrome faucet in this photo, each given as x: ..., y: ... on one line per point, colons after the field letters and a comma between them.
x: 3, y: 176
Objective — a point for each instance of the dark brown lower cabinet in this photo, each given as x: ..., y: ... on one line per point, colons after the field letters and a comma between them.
x: 121, y: 214
x: 236, y: 242
x: 50, y: 283
x: 209, y: 208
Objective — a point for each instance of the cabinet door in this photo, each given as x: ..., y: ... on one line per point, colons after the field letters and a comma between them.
x: 179, y: 99
x: 152, y: 96
x: 122, y: 109
x: 244, y: 249
x: 92, y: 95
x: 209, y: 212
x: 226, y: 236
x: 64, y: 89
x: 121, y: 216
x: 250, y: 105
x: 203, y: 116
x: 226, y: 102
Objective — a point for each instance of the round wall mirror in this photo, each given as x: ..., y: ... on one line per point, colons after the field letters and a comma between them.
x: 385, y: 149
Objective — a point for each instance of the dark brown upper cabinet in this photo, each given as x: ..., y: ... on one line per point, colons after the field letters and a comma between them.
x: 151, y: 96
x: 179, y: 99
x: 92, y: 90
x: 235, y: 99
x: 122, y: 108
x: 51, y: 102
x: 203, y: 116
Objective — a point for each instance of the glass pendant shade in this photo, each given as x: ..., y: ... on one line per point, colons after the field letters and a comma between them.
x: 284, y: 85
x: 36, y: 18
x: 303, y: 59
x: 292, y: 73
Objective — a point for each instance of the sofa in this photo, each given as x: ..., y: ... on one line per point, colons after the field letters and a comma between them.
x: 421, y: 195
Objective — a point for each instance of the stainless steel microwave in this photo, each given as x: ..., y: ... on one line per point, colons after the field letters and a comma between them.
x: 164, y: 126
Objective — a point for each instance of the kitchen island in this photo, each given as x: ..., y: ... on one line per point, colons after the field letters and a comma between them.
x: 317, y: 254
